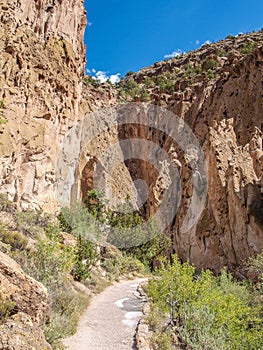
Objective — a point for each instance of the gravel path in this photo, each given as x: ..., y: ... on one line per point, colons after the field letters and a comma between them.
x: 111, y: 319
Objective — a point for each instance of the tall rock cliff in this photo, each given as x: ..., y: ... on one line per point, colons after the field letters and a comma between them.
x: 217, y: 91
x: 42, y: 67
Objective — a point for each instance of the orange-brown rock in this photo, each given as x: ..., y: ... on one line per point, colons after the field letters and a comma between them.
x: 29, y: 296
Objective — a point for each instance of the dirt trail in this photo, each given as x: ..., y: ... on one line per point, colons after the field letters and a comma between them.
x: 111, y: 319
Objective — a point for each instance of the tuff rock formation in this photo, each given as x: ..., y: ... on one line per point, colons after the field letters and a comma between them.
x: 42, y: 67
x: 30, y: 301
x: 20, y: 333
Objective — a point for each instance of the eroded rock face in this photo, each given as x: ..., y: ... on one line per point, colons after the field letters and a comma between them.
x: 42, y: 68
x: 225, y: 113
x: 29, y: 296
x: 41, y: 88
x: 20, y: 333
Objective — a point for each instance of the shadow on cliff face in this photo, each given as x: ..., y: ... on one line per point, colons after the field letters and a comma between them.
x: 256, y: 208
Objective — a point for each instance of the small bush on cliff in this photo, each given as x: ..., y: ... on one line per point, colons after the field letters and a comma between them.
x: 5, y: 203
x: 89, y: 80
x: 6, y: 308
x: 15, y: 239
x: 247, y: 48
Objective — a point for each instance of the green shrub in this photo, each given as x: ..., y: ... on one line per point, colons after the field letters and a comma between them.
x: 86, y: 257
x: 129, y: 87
x: 154, y: 318
x: 230, y: 36
x: 89, y: 80
x: 211, y: 64
x: 210, y: 74
x: 80, y: 222
x: 207, y: 308
x: 247, y: 48
x: 149, y: 83
x: 160, y: 81
x: 15, y: 239
x: 169, y: 87
x: 137, y: 239
x: 67, y: 307
x: 6, y: 308
x: 33, y: 223
x: 221, y: 53
x: 129, y: 73
x: 144, y: 96
x: 5, y: 203
x: 94, y: 204
x: 161, y: 341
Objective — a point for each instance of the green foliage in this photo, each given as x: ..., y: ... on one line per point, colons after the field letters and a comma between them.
x: 221, y: 53
x: 67, y: 307
x: 210, y: 74
x: 211, y: 64
x: 248, y: 48
x: 119, y: 265
x: 161, y: 340
x: 230, y: 36
x: 149, y: 83
x: 89, y: 80
x: 50, y: 262
x: 93, y: 203
x: 143, y: 241
x: 15, y: 239
x: 132, y: 88
x: 5, y: 203
x: 144, y: 95
x: 254, y: 265
x: 33, y: 223
x: 86, y: 257
x: 210, y: 312
x: 6, y: 308
x: 129, y: 73
x: 80, y: 222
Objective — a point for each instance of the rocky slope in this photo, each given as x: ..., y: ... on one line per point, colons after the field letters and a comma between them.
x: 31, y: 305
x: 216, y: 90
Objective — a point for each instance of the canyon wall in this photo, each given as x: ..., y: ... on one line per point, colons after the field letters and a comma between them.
x: 217, y: 91
x: 42, y: 66
x: 224, y: 110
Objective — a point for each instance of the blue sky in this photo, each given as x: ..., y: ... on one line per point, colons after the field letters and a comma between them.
x: 127, y: 35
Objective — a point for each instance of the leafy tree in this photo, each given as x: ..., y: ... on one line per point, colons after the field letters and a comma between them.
x: 209, y: 312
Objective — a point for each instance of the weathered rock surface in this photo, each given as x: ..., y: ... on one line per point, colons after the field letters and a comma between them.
x: 20, y: 333
x: 217, y: 91
x: 30, y: 296
x: 42, y: 68
x: 225, y: 113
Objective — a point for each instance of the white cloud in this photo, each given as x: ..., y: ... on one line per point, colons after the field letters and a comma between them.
x: 197, y: 42
x: 89, y: 24
x: 206, y: 42
x: 102, y: 76
x: 175, y: 53
x: 115, y: 78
